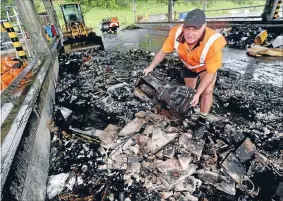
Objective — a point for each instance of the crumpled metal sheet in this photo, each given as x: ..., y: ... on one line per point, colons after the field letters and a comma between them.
x: 142, y: 140
x: 155, y: 118
x: 133, y: 167
x: 193, y: 146
x: 172, y: 175
x: 184, y: 160
x: 118, y: 160
x: 169, y: 152
x: 219, y: 181
x: 158, y: 140
x: 187, y: 184
x: 132, y: 127
x: 246, y: 151
x: 108, y: 135
x: 233, y: 167
x: 165, y: 195
x: 188, y: 197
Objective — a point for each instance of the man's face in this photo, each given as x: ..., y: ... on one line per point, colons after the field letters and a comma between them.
x: 192, y: 34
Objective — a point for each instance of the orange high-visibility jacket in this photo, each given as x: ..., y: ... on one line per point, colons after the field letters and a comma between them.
x: 206, y: 55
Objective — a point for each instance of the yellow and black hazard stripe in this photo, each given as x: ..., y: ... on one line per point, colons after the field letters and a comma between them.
x: 276, y: 12
x: 14, y: 38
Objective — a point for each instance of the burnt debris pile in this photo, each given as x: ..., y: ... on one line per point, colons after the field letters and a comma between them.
x: 242, y: 36
x: 130, y: 27
x: 255, y: 101
x: 110, y: 141
x: 100, y: 91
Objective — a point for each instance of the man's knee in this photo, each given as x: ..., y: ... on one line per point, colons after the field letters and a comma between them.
x: 190, y: 82
x: 208, y: 92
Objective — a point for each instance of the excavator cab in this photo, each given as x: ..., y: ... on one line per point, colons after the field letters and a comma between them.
x: 78, y: 37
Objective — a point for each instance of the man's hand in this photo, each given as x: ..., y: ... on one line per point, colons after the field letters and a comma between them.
x: 157, y: 59
x: 195, y: 100
x: 147, y: 70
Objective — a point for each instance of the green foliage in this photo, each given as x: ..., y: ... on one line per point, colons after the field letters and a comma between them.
x: 113, y: 4
x: 242, y: 2
x: 3, y: 10
x: 37, y: 4
x: 125, y: 3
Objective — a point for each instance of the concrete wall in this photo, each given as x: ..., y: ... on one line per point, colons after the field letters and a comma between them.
x: 28, y: 174
x: 35, y: 183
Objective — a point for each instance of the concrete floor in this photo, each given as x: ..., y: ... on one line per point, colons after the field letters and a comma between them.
x: 263, y: 69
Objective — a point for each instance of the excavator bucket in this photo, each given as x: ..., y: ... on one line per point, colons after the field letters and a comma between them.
x: 83, y: 43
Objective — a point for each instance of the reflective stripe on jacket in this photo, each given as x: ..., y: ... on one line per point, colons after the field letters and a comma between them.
x: 196, y: 59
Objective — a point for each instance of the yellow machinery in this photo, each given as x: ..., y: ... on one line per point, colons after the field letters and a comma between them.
x: 77, y: 36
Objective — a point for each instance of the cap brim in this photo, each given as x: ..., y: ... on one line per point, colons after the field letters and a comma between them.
x: 186, y: 25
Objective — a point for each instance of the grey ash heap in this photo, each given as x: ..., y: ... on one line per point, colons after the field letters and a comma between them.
x: 114, y: 139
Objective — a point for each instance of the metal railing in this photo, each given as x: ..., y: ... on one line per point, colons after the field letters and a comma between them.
x: 246, y: 11
x: 240, y: 8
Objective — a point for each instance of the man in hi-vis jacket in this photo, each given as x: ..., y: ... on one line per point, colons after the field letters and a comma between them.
x: 200, y: 49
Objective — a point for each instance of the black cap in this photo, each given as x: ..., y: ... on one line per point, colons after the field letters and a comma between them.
x: 195, y: 18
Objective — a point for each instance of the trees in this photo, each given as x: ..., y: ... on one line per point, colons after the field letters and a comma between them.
x: 3, y: 10
x: 110, y: 4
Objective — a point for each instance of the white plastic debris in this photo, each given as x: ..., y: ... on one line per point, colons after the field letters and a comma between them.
x: 71, y: 183
x: 111, y: 197
x: 84, y: 168
x: 80, y: 180
x: 65, y: 112
x: 278, y: 42
x: 152, y: 54
x: 56, y: 184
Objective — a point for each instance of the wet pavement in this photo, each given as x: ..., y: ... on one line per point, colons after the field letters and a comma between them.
x: 263, y: 70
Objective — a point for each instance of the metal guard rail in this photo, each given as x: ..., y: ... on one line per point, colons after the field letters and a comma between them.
x: 12, y: 139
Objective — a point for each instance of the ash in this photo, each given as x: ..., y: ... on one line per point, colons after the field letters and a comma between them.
x: 109, y: 145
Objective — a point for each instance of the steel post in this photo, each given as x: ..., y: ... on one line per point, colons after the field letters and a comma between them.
x: 269, y: 10
x: 204, y: 5
x: 14, y: 38
x: 134, y: 10
x: 276, y: 9
x: 30, y: 20
x: 170, y: 10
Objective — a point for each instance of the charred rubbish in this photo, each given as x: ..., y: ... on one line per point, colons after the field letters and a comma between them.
x: 130, y: 27
x: 243, y: 36
x: 154, y: 90
x: 144, y: 153
x: 100, y: 91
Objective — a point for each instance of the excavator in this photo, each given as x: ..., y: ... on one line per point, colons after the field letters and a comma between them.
x: 76, y: 36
